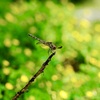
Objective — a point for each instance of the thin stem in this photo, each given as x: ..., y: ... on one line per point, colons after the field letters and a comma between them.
x: 34, y: 77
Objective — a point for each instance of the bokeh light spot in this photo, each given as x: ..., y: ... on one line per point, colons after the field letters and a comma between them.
x: 93, y: 61
x: 55, y: 77
x: 49, y: 4
x: 33, y: 29
x: 39, y: 17
x: 30, y: 65
x: 77, y: 36
x: 97, y: 28
x: 9, y: 86
x: 15, y: 9
x: 49, y: 84
x: 94, y: 52
x: 9, y: 17
x: 63, y: 94
x: 99, y: 74
x: 27, y: 52
x: 24, y: 78
x: 85, y: 23
x: 73, y: 79
x: 87, y: 37
x: 6, y: 71
x: 31, y: 98
x: 15, y: 42
x: 89, y: 94
x: 5, y: 62
x: 7, y: 42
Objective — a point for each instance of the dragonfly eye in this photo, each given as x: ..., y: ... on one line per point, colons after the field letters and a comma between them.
x: 54, y: 47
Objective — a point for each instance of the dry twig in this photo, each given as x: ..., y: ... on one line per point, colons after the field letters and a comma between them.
x: 34, y: 77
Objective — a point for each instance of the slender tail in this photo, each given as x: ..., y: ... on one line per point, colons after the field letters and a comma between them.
x: 34, y: 37
x: 40, y: 41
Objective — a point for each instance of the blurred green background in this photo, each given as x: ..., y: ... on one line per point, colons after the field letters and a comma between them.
x: 74, y: 72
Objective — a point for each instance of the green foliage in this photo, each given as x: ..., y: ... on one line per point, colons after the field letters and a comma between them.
x: 74, y: 72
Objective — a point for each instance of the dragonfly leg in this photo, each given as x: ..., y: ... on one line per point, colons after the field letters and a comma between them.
x: 49, y: 51
x: 59, y: 47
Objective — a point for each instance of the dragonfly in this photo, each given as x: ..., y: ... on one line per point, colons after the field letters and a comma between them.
x: 49, y: 44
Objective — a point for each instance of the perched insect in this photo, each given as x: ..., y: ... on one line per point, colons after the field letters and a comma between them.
x: 49, y: 44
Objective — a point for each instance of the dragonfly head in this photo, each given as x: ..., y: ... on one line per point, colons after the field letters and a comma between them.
x: 53, y: 47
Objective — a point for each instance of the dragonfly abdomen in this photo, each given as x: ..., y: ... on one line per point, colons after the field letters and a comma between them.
x: 40, y: 41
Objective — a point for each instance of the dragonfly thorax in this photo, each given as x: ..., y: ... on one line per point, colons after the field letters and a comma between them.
x: 51, y: 45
